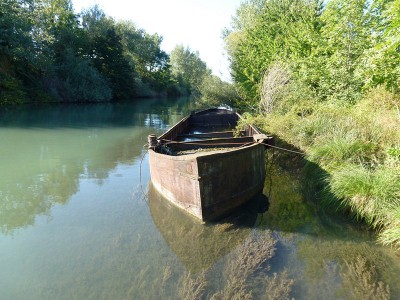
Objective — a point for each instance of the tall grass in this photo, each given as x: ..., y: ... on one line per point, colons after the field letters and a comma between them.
x: 358, y: 146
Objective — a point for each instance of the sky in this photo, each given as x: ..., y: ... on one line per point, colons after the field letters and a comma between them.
x: 194, y: 23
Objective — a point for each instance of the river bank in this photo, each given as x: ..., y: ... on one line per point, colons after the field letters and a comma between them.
x: 353, y: 156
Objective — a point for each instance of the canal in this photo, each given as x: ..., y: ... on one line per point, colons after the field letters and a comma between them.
x: 79, y: 220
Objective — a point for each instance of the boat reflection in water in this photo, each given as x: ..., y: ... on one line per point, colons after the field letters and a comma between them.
x: 199, y: 246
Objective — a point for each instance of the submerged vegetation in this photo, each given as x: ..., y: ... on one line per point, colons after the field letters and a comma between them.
x: 324, y: 76
x: 245, y: 270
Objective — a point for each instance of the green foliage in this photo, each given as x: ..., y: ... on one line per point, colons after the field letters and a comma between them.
x: 369, y: 193
x: 346, y: 33
x: 82, y: 82
x: 357, y: 147
x: 337, y: 50
x: 215, y: 92
x: 331, y: 102
x: 50, y: 53
x: 382, y: 60
x: 107, y: 53
x: 192, y: 76
x: 47, y: 51
x: 16, y: 51
x: 188, y: 68
x: 143, y: 51
x: 281, y: 31
x: 11, y: 90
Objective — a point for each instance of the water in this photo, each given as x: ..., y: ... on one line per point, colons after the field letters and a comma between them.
x: 75, y: 224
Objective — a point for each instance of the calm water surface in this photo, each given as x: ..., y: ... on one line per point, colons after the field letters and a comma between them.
x: 75, y: 224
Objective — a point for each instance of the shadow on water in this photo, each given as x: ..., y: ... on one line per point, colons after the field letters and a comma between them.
x: 147, y: 112
x: 51, y: 148
x: 289, y: 246
x: 199, y: 246
x: 300, y: 200
x: 226, y: 259
x: 327, y: 252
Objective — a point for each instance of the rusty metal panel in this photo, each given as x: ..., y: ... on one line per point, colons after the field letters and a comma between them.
x: 177, y: 180
x: 177, y: 129
x: 208, y: 184
x: 229, y: 179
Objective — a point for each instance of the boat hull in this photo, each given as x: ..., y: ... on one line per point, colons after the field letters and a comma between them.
x: 212, y: 184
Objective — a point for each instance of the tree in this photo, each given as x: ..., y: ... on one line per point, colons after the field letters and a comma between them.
x: 215, y: 92
x: 382, y: 62
x: 17, y: 63
x: 188, y: 68
x: 67, y: 73
x: 106, y: 53
x: 143, y: 51
x: 346, y: 35
x: 246, y: 18
x: 281, y: 31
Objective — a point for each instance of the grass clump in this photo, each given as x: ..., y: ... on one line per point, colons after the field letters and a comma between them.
x: 357, y: 146
x: 391, y: 229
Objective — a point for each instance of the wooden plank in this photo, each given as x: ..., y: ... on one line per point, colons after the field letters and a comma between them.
x: 214, y: 120
x: 205, y: 144
x: 210, y: 135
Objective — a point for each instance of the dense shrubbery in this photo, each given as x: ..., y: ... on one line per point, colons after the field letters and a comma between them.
x: 326, y: 79
x: 358, y: 146
x: 49, y: 53
x: 193, y: 77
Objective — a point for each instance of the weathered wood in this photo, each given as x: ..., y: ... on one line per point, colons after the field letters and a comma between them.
x: 204, y: 144
x: 210, y: 135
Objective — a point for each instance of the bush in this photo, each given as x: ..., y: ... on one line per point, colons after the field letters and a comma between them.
x: 215, y: 92
x: 83, y: 82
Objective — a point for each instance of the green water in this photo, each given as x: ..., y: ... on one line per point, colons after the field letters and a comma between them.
x: 75, y: 224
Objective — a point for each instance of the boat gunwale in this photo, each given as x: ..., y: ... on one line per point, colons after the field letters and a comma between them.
x: 228, y: 151
x: 190, y: 181
x: 214, y: 140
x: 173, y: 127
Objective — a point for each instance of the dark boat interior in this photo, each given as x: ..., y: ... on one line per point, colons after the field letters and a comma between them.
x: 210, y: 129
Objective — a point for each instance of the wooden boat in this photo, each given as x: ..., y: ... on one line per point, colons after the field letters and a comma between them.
x: 202, y: 167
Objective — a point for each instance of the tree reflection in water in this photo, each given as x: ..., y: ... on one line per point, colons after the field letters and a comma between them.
x: 50, y: 148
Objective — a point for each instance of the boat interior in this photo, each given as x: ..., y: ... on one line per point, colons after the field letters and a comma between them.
x: 207, y: 130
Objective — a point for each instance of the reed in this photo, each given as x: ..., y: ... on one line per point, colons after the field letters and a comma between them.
x: 372, y: 195
x: 391, y: 229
